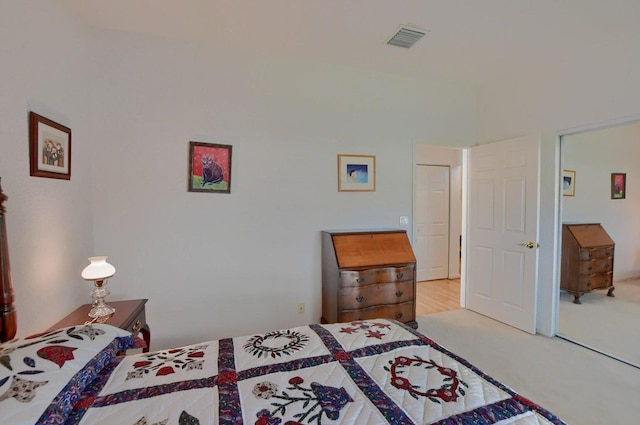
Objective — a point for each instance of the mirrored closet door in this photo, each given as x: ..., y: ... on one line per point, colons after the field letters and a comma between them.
x: 601, y: 185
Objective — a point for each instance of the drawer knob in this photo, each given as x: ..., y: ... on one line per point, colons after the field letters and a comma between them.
x: 400, y: 275
x: 398, y: 294
x: 359, y: 279
x: 589, y: 268
x: 136, y: 326
x: 359, y: 298
x: 398, y: 315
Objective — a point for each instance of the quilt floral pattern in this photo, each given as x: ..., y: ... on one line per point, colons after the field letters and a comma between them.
x: 184, y: 419
x: 450, y: 390
x: 168, y: 361
x: 371, y: 329
x: 42, y: 376
x: 315, y: 400
x: 23, y: 389
x: 277, y: 343
x: 371, y: 371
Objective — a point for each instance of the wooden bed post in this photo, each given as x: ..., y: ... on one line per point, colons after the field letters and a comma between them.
x: 8, y: 322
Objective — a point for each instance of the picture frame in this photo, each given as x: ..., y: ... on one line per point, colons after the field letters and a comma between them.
x: 568, y: 183
x: 209, y: 167
x: 618, y: 185
x: 49, y: 148
x: 356, y: 173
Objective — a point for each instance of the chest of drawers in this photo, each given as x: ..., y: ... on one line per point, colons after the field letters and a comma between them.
x: 587, y: 260
x: 368, y: 275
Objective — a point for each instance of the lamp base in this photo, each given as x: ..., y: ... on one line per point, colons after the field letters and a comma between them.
x: 101, y: 310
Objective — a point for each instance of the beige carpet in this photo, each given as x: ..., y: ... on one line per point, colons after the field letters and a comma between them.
x: 580, y: 386
x: 607, y: 324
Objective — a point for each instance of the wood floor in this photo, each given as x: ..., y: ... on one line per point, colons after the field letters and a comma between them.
x: 434, y: 296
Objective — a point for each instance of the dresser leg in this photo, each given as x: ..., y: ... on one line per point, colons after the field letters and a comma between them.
x: 412, y: 324
x: 610, y: 291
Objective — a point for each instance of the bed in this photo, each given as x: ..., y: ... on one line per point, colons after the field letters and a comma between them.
x: 362, y: 372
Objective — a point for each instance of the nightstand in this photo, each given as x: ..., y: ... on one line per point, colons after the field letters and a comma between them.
x: 129, y: 315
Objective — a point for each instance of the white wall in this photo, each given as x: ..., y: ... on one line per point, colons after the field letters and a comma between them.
x: 215, y: 265
x: 594, y: 155
x: 43, y: 68
x: 212, y: 265
x: 560, y: 96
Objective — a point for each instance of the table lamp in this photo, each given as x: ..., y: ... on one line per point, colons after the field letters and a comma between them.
x: 99, y: 271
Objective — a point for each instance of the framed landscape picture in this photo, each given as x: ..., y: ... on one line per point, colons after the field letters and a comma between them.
x: 356, y: 173
x: 49, y: 148
x: 568, y: 183
x: 209, y: 167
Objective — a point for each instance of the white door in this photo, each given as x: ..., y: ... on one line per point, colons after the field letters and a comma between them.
x: 502, y: 231
x: 432, y: 222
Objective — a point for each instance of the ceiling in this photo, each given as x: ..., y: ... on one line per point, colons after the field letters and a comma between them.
x: 469, y: 41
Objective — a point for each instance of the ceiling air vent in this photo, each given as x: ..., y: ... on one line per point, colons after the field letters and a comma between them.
x: 406, y: 37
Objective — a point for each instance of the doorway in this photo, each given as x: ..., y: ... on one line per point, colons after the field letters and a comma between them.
x: 437, y: 227
x: 432, y: 222
x: 501, y: 241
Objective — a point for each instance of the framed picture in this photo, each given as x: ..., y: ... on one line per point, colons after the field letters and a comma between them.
x: 49, y: 148
x: 356, y: 173
x: 568, y: 183
x: 209, y: 167
x: 618, y: 185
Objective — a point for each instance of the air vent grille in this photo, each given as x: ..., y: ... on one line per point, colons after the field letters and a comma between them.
x: 406, y: 37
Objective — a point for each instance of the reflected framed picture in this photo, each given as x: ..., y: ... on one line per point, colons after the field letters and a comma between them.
x: 49, y: 148
x: 568, y: 183
x: 356, y: 173
x: 618, y: 185
x: 209, y: 167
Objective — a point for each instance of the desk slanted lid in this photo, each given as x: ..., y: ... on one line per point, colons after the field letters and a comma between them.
x: 364, y: 249
x: 590, y: 235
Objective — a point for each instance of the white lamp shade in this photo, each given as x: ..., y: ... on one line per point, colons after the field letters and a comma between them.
x: 98, y: 269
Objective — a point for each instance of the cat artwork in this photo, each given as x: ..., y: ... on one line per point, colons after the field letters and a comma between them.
x: 211, y: 171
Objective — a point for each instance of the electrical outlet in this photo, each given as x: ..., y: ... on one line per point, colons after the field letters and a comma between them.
x: 404, y: 220
x: 300, y: 308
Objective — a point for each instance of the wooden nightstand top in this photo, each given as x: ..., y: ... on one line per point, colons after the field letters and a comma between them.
x: 126, y: 313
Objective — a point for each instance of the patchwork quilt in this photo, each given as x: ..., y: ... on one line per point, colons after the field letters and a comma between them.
x: 363, y: 372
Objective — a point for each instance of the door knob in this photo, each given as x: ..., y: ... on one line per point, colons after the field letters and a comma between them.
x: 529, y: 244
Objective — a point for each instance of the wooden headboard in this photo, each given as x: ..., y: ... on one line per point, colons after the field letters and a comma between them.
x: 8, y: 322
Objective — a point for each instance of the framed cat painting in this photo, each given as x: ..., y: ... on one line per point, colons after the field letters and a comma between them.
x: 209, y: 167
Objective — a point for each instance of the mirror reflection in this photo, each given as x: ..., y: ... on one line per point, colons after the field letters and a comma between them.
x: 600, y: 282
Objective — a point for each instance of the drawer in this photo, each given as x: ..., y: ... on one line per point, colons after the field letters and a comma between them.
x: 373, y: 276
x: 598, y: 265
x: 592, y: 253
x: 356, y: 297
x: 596, y: 281
x: 404, y: 312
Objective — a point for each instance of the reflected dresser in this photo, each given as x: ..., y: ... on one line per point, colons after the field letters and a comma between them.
x: 587, y: 259
x: 368, y: 274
